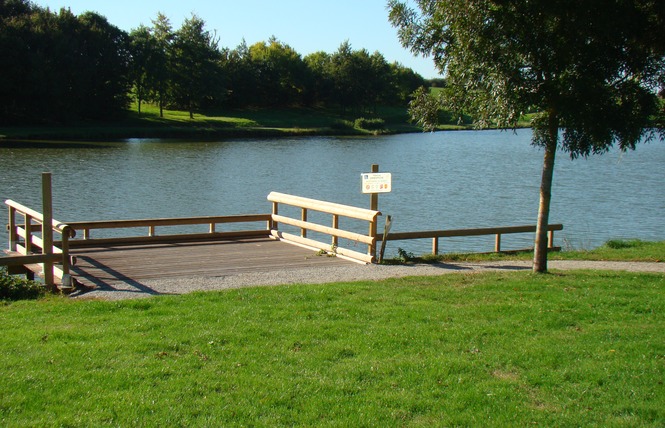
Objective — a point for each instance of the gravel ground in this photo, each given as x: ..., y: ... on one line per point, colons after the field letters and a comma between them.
x: 352, y: 272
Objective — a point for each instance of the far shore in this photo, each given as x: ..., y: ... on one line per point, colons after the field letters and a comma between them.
x: 249, y: 123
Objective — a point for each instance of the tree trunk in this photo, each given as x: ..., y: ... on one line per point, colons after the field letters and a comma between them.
x: 139, y: 95
x: 161, y: 103
x: 540, y: 246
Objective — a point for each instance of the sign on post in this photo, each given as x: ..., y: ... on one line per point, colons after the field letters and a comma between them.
x: 376, y: 182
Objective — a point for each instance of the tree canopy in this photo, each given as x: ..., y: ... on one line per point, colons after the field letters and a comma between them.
x: 590, y: 68
x: 59, y: 67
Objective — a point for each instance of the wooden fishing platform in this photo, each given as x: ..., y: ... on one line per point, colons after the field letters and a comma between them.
x: 287, y: 238
x: 101, y: 267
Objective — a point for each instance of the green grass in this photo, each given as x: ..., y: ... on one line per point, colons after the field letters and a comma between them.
x: 613, y: 250
x: 216, y: 124
x: 213, y: 124
x: 504, y: 349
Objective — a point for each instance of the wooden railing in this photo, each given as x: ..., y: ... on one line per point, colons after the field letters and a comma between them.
x: 30, y: 243
x: 337, y: 211
x: 436, y: 235
x: 151, y: 225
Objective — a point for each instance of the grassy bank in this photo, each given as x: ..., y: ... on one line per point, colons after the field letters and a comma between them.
x: 505, y: 349
x: 613, y: 250
x: 218, y: 124
x: 226, y: 124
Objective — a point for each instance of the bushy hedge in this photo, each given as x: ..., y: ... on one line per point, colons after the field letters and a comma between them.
x: 370, y: 124
x: 15, y: 288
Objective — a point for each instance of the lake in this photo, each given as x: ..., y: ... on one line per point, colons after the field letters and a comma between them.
x: 443, y: 180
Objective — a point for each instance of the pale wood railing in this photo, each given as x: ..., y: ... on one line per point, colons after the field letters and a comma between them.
x: 436, y: 235
x: 30, y: 243
x: 150, y: 226
x: 336, y: 211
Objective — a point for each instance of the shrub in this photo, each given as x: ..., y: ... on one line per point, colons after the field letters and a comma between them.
x: 341, y: 125
x: 618, y: 244
x: 370, y: 124
x: 15, y: 288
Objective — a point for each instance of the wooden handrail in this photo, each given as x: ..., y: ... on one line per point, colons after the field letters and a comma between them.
x: 336, y: 210
x: 156, y: 222
x: 340, y: 233
x: 151, y: 224
x: 50, y: 253
x: 58, y: 226
x: 497, y: 231
x: 15, y: 260
x: 398, y: 236
x: 323, y: 206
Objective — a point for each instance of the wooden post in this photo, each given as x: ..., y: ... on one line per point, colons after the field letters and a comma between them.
x: 66, y: 281
x: 550, y: 239
x: 497, y: 243
x: 335, y: 225
x: 275, y: 211
x: 386, y: 231
x: 303, y: 217
x: 373, y: 205
x: 435, y: 245
x: 28, y: 234
x: 47, y: 228
x: 13, y: 237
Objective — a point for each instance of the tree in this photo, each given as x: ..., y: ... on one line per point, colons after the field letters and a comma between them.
x: 103, y: 78
x: 240, y: 76
x: 321, y: 85
x: 142, y: 48
x: 280, y: 73
x: 592, y: 69
x: 161, y: 72
x: 59, y: 67
x: 195, y: 57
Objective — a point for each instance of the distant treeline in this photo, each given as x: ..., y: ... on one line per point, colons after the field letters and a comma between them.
x: 59, y: 67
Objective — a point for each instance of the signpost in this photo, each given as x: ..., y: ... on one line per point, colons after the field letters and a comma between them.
x: 376, y: 182
x: 373, y: 183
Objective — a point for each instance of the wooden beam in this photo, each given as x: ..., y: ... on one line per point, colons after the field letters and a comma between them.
x: 322, y: 206
x: 47, y: 228
x: 316, y: 245
x: 183, y: 221
x: 16, y: 259
x: 184, y: 237
x: 467, y: 232
x: 325, y: 229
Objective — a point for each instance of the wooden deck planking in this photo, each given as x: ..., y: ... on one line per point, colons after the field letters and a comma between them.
x: 97, y: 267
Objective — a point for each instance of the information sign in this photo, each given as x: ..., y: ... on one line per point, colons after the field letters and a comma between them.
x: 376, y: 182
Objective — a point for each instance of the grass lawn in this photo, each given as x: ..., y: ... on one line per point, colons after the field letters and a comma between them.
x: 216, y: 124
x: 613, y: 250
x: 503, y: 349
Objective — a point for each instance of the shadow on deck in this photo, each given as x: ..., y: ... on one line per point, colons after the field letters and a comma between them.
x: 108, y: 268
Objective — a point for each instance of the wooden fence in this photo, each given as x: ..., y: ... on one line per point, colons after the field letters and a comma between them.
x: 436, y: 235
x: 336, y: 211
x: 31, y: 244
x: 150, y: 226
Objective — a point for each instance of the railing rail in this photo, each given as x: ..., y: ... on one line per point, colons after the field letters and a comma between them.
x: 26, y: 247
x: 436, y: 235
x: 152, y: 236
x: 336, y: 211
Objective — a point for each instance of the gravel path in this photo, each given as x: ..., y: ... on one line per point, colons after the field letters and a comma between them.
x: 181, y: 285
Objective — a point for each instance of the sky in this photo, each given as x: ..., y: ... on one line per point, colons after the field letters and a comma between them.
x: 305, y: 25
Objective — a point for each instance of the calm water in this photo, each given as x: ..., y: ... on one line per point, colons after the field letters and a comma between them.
x: 440, y: 181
